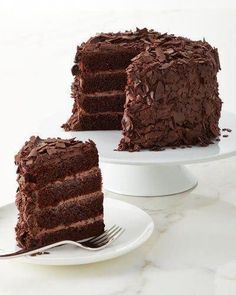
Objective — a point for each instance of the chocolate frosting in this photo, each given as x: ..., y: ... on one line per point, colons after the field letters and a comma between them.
x: 37, y: 149
x: 172, y: 95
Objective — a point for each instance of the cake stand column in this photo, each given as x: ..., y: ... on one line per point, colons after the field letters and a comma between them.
x: 147, y: 180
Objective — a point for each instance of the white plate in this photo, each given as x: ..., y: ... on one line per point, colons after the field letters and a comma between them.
x: 138, y: 228
x: 107, y: 142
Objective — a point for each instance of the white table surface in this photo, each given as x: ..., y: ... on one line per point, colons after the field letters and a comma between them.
x: 193, y: 248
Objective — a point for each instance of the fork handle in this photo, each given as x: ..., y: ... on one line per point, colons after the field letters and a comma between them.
x: 22, y: 253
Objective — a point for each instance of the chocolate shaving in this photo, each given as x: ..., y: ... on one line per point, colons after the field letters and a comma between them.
x: 227, y: 129
x: 51, y: 151
x: 157, y: 149
x: 40, y: 253
x: 60, y: 145
x: 29, y: 162
x: 33, y: 153
x: 160, y: 54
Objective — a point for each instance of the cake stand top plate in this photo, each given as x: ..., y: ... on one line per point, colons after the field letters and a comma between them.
x: 107, y: 142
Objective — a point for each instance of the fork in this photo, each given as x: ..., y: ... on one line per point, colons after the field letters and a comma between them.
x: 92, y: 244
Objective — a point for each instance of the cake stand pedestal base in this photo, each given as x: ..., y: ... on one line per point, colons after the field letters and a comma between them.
x: 147, y: 180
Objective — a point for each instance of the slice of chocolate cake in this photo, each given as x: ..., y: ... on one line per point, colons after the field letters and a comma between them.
x: 59, y: 195
x: 172, y: 95
x: 100, y: 78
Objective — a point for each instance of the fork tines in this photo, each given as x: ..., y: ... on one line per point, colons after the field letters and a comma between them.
x: 108, y: 236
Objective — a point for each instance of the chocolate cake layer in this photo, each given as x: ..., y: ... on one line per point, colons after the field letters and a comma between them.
x: 69, y: 200
x: 98, y: 121
x: 102, y: 81
x: 172, y: 95
x: 99, y: 60
x: 106, y: 101
x: 72, y: 233
x: 70, y: 212
x: 111, y: 101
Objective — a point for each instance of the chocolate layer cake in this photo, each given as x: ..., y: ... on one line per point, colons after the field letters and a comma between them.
x: 59, y: 195
x: 172, y: 95
x: 100, y: 78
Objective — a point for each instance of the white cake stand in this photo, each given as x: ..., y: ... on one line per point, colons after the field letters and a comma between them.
x: 150, y: 173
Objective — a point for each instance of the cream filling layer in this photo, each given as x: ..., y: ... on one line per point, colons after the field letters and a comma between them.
x: 105, y: 73
x: 82, y: 112
x: 76, y: 200
x: 110, y: 93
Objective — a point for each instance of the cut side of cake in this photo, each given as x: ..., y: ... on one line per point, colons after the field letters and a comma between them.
x: 100, y: 78
x: 59, y: 195
x: 172, y: 95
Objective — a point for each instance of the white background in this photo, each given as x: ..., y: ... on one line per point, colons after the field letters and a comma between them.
x: 37, y: 46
